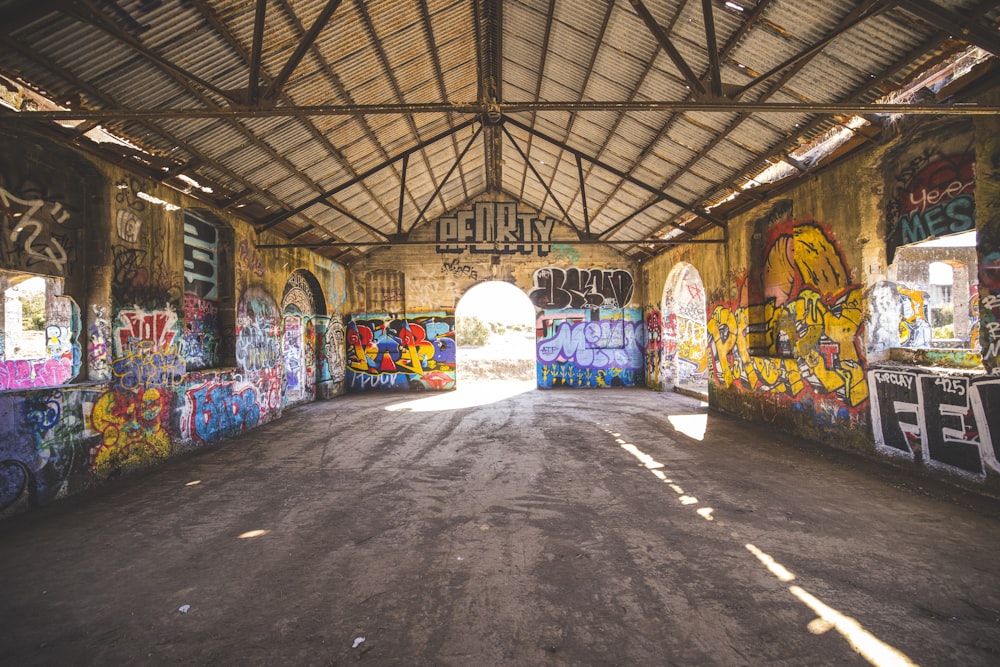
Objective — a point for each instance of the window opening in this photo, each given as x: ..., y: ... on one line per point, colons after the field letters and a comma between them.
x: 201, y: 292
x: 40, y: 326
x: 936, y: 282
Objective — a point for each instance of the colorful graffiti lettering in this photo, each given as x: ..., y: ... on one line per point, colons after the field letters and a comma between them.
x: 98, y: 354
x: 28, y: 373
x: 945, y: 421
x: 609, y: 351
x: 131, y: 428
x: 939, y: 199
x: 989, y: 328
x: 146, y: 351
x: 416, y: 352
x: 557, y: 288
x: 813, y: 307
x: 221, y: 410
x: 494, y: 228
x: 258, y: 343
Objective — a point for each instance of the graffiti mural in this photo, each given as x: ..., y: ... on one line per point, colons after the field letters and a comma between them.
x: 131, y: 427
x: 333, y: 351
x: 293, y: 357
x: 218, y: 410
x: 62, y: 357
x: 36, y: 234
x: 98, y: 350
x: 934, y: 196
x: 494, y: 228
x: 41, y: 445
x: 146, y: 348
x: 654, y: 348
x: 413, y: 352
x: 200, y: 344
x: 914, y: 324
x: 574, y: 350
x: 944, y: 421
x: 557, y: 288
x: 811, y: 323
x: 684, y: 331
x: 258, y: 345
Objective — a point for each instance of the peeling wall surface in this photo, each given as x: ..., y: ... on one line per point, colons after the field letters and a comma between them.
x: 179, y: 333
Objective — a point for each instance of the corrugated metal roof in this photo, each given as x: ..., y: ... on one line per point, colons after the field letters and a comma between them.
x: 193, y: 55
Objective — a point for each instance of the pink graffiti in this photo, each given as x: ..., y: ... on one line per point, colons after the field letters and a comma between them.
x: 25, y: 374
x: 137, y: 325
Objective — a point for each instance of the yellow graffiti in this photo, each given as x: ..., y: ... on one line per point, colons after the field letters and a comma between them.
x: 914, y: 329
x: 130, y: 428
x: 808, y: 325
x: 691, y: 343
x: 823, y: 345
x: 722, y: 335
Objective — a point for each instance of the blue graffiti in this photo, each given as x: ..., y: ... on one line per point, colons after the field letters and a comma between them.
x: 218, y: 412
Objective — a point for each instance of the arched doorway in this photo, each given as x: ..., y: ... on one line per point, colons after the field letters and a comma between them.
x: 495, y: 334
x: 684, y: 346
x: 302, y: 308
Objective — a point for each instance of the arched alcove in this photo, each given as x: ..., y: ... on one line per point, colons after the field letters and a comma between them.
x: 304, y: 325
x: 684, y: 341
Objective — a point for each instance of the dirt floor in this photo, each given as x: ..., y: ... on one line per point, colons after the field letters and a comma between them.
x: 491, y: 527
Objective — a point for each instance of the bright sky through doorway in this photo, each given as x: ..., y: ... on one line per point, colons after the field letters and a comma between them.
x: 496, y: 302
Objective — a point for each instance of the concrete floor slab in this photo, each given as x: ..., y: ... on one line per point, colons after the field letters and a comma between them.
x: 507, y: 526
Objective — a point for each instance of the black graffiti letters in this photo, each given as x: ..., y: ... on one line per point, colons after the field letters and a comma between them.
x: 557, y: 288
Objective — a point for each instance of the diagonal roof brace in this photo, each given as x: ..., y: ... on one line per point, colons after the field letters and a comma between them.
x: 662, y: 196
x: 322, y: 197
x: 307, y: 41
x: 664, y: 41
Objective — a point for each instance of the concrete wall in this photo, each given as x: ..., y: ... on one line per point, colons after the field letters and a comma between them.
x: 589, y: 330
x: 183, y: 334
x: 804, y: 324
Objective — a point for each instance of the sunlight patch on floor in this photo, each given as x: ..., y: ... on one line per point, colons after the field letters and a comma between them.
x: 870, y: 647
x: 466, y: 395
x: 693, y: 426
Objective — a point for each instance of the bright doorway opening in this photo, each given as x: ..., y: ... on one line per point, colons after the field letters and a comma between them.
x: 495, y: 335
